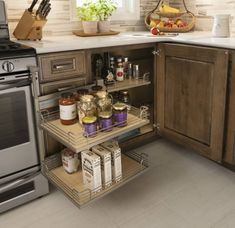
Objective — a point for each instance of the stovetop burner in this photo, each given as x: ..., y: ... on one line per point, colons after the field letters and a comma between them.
x: 9, y: 46
x: 9, y: 49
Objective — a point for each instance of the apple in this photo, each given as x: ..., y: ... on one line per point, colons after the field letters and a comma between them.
x: 154, y: 31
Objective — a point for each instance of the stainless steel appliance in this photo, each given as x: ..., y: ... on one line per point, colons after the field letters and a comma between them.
x: 20, y: 177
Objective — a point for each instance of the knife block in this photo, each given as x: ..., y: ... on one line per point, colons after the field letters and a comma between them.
x: 29, y: 27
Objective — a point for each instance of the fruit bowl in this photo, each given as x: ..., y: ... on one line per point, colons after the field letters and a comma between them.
x: 172, y: 25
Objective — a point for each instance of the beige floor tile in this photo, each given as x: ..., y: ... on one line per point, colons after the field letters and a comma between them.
x: 180, y: 190
x: 159, y: 216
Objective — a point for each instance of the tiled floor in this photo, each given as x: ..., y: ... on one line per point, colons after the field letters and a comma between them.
x: 180, y: 190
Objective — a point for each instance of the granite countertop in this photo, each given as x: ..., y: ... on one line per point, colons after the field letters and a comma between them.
x: 72, y: 42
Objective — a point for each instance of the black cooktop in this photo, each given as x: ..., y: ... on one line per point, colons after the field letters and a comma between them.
x: 10, y: 49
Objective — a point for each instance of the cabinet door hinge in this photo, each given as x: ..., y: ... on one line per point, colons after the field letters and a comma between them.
x: 156, y: 52
x: 158, y: 128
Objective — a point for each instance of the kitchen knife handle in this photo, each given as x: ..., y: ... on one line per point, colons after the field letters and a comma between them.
x: 30, y: 9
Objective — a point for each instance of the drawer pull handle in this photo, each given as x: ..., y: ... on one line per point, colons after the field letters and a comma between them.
x: 64, y: 66
x: 66, y: 88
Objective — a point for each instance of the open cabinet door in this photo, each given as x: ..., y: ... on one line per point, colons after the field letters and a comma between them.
x: 191, y: 94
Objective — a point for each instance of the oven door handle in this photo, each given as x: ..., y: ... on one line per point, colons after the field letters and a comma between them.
x: 14, y: 85
x: 22, y: 180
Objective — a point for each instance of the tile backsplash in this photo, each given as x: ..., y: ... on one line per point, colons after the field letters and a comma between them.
x: 59, y: 20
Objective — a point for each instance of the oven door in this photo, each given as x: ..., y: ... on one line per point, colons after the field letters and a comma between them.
x: 18, y: 151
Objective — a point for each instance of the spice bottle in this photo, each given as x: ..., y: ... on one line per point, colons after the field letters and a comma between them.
x: 119, y: 70
x: 90, y: 126
x: 125, y: 67
x: 136, y: 72
x: 120, y: 114
x: 67, y: 105
x: 105, y: 120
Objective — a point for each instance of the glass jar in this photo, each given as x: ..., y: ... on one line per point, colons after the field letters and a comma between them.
x: 67, y: 105
x: 80, y: 93
x: 120, y: 114
x: 104, y: 101
x: 70, y: 161
x: 87, y: 107
x: 106, y: 121
x: 90, y: 126
x: 124, y: 96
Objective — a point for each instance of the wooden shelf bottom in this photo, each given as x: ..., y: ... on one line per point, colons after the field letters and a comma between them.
x: 72, y: 184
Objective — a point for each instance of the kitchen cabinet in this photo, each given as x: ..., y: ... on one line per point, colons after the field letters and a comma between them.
x: 191, y: 96
x: 229, y: 148
x: 55, y: 136
x: 63, y: 70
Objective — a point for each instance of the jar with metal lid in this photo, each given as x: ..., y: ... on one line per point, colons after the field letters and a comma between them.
x: 105, y: 121
x: 67, y: 105
x: 95, y: 89
x: 104, y: 101
x: 120, y: 114
x: 70, y: 161
x: 90, y: 126
x: 87, y: 107
x: 80, y: 93
x: 124, y: 96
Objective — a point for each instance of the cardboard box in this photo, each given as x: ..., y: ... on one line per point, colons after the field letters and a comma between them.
x: 91, y: 170
x: 116, y: 159
x: 106, y: 169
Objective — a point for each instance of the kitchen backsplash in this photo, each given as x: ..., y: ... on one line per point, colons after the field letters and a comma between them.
x: 59, y: 20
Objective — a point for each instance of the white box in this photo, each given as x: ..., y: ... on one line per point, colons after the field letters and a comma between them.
x: 116, y: 160
x: 91, y: 170
x: 106, y: 170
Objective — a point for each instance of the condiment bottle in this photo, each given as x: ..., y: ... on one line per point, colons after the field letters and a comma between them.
x: 90, y: 126
x: 120, y: 114
x: 119, y: 70
x: 136, y: 72
x: 67, y: 105
x: 124, y: 96
x: 125, y: 67
x: 105, y: 120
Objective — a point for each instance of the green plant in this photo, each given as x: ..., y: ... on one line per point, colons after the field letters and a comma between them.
x: 105, y: 9
x: 88, y: 11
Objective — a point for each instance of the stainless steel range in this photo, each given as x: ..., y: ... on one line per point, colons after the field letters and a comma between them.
x: 20, y: 178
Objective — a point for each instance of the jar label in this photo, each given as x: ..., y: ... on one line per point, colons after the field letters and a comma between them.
x: 68, y: 112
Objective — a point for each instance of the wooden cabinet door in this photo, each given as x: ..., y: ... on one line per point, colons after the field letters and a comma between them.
x: 229, y: 155
x: 191, y: 92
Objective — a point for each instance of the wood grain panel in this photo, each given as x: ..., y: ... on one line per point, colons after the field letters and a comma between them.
x: 188, y: 91
x: 191, y: 96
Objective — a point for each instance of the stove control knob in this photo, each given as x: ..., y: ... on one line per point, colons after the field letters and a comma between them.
x: 8, y: 66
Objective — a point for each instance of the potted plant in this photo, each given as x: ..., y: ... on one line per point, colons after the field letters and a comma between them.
x: 88, y: 15
x: 104, y: 10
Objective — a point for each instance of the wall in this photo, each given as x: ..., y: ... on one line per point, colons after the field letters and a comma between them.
x: 206, y: 9
x: 59, y: 22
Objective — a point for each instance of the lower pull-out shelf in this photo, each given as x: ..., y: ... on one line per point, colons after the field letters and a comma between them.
x: 72, y: 184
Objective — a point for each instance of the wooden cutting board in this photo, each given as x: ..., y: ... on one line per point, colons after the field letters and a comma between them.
x: 82, y: 34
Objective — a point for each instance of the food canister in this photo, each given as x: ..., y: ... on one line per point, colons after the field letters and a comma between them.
x: 90, y: 126
x: 106, y: 121
x: 86, y: 107
x: 120, y: 114
x: 104, y: 101
x: 70, y: 161
x: 221, y: 26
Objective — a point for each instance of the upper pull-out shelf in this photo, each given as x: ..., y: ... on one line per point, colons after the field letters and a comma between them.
x: 72, y: 136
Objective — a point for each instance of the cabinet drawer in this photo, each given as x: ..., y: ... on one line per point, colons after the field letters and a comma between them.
x: 52, y: 87
x: 59, y: 66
